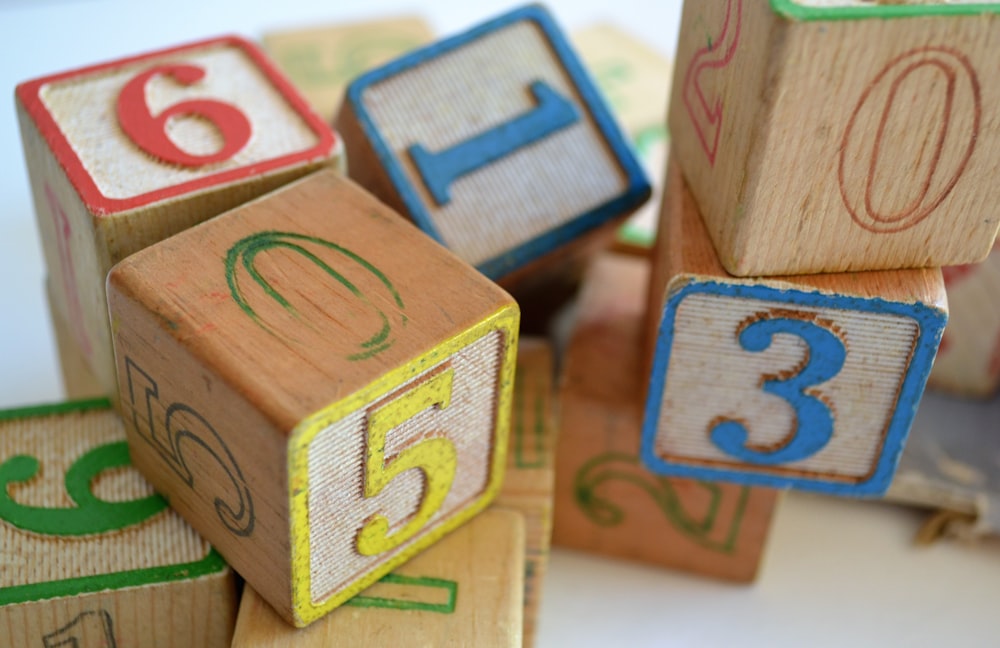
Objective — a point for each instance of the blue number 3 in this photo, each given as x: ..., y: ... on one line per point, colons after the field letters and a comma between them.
x: 813, y: 425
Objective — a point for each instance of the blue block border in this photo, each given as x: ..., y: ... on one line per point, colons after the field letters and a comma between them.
x: 637, y: 184
x: 930, y: 322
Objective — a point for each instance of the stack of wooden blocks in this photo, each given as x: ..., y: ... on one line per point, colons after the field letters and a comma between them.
x: 336, y: 403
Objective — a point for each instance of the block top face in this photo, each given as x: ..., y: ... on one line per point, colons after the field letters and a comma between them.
x: 302, y: 296
x: 498, y: 142
x: 860, y: 9
x: 151, y: 127
x: 821, y: 387
x: 75, y: 517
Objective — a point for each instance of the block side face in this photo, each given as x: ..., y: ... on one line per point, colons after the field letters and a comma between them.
x: 447, y: 414
x: 807, y: 10
x: 227, y: 82
x: 881, y: 140
x: 460, y: 161
x: 821, y: 389
x: 69, y: 490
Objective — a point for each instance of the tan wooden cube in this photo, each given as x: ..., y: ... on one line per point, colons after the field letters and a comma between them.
x: 91, y: 556
x: 607, y: 502
x: 968, y: 362
x: 823, y: 136
x: 463, y: 591
x: 496, y: 143
x: 321, y: 389
x: 77, y: 379
x: 322, y: 60
x: 126, y: 153
x: 530, y: 478
x: 635, y: 78
x: 809, y: 381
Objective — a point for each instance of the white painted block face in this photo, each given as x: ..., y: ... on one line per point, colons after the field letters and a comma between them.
x: 337, y: 507
x: 85, y: 108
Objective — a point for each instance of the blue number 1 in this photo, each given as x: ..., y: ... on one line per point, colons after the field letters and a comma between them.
x: 813, y: 424
x: 440, y: 169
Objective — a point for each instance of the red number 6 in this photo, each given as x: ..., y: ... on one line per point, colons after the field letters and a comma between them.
x: 150, y: 133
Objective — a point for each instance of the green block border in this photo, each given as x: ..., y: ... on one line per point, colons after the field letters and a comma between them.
x: 793, y: 10
x: 212, y: 562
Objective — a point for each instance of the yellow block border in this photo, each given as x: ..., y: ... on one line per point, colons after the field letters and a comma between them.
x: 304, y: 611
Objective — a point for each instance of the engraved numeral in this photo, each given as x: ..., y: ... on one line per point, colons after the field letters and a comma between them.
x: 813, y: 425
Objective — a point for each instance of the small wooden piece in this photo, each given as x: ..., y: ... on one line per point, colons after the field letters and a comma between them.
x: 808, y: 382
x: 77, y: 378
x: 496, y: 143
x: 322, y: 390
x: 838, y: 135
x: 91, y: 556
x: 124, y: 154
x: 463, y: 591
x: 528, y: 484
x: 968, y: 362
x: 321, y: 60
x: 635, y: 79
x: 607, y: 502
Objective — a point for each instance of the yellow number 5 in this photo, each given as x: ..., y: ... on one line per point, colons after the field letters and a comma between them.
x: 436, y: 457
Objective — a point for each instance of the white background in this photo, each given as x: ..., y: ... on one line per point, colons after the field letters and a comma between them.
x: 836, y: 572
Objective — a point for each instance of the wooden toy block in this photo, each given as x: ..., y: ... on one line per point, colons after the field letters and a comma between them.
x: 463, y: 591
x: 320, y: 388
x: 124, y: 154
x: 837, y: 135
x: 322, y: 60
x: 529, y: 481
x: 809, y: 382
x: 607, y: 502
x: 968, y: 361
x: 77, y: 378
x: 91, y: 556
x: 635, y: 79
x: 497, y: 144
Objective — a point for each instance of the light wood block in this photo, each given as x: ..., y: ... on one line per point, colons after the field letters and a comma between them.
x: 322, y: 60
x: 126, y: 153
x: 635, y: 79
x: 968, y: 362
x: 463, y: 591
x: 496, y: 143
x: 91, y: 556
x: 528, y: 484
x: 809, y: 382
x: 321, y: 390
x: 607, y: 502
x: 77, y: 378
x: 824, y: 136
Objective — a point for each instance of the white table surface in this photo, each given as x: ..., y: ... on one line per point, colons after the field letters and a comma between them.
x: 836, y: 572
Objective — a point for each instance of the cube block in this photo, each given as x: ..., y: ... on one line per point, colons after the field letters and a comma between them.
x: 126, y: 153
x: 823, y: 137
x: 809, y: 382
x: 495, y: 142
x: 320, y: 388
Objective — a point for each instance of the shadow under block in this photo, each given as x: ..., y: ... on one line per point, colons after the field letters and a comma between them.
x: 90, y: 555
x: 77, y: 378
x: 530, y: 476
x: 968, y: 362
x: 124, y: 154
x: 463, y: 591
x: 842, y: 137
x: 321, y: 61
x: 496, y: 143
x: 320, y: 389
x: 607, y: 502
x: 635, y: 79
x: 808, y: 382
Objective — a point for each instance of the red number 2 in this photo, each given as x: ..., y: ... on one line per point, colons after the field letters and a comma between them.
x: 149, y: 132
